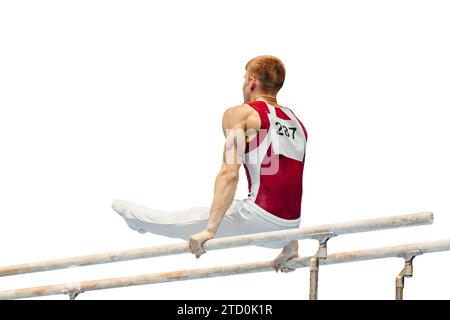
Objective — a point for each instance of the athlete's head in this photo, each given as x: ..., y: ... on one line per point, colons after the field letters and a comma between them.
x: 264, y: 75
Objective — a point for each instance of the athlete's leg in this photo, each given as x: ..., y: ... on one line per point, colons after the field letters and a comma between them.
x: 239, y: 219
x: 175, y: 224
x: 130, y: 210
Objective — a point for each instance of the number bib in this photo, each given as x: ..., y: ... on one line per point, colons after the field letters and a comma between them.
x: 287, y: 136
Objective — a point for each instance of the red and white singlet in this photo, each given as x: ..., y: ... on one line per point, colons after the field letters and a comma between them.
x: 274, y: 161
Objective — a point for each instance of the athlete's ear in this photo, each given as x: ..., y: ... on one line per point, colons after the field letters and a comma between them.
x: 252, y: 83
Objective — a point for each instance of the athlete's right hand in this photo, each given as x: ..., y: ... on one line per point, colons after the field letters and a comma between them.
x: 197, y: 240
x: 289, y: 252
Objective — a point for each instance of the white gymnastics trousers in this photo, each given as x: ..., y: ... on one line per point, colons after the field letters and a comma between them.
x: 242, y: 217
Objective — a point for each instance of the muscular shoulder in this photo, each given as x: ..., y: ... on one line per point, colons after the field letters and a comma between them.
x: 237, y: 116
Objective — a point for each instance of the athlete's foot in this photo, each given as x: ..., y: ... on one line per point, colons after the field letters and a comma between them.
x: 289, y: 252
x: 120, y: 206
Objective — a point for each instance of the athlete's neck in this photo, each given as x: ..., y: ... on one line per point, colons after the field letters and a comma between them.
x: 267, y: 98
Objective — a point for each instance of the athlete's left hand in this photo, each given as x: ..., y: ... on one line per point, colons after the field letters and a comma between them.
x: 197, y: 240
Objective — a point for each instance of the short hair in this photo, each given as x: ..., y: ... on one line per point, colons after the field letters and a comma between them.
x: 269, y: 70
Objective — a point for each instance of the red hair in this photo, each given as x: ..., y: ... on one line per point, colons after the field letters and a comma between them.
x: 269, y: 70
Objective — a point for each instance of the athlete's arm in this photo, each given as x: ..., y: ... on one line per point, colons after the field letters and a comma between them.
x: 233, y: 125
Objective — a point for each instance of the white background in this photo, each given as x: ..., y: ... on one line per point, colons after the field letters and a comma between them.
x: 124, y: 99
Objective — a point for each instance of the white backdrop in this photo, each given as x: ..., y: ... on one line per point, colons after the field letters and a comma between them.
x: 98, y: 98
